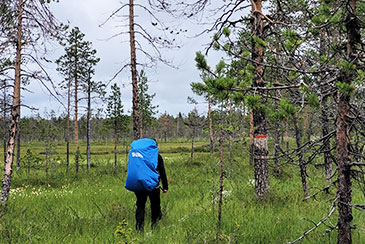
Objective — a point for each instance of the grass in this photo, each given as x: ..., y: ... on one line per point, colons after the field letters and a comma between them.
x: 88, y: 207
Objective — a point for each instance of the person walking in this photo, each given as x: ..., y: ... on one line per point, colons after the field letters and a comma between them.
x: 142, y: 170
x: 154, y: 197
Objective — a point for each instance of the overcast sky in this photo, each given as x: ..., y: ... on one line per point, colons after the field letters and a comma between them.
x: 172, y: 86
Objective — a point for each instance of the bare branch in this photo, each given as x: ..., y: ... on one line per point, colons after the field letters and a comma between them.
x: 316, y: 225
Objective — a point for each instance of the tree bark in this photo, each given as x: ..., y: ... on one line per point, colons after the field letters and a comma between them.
x: 287, y: 135
x: 4, y: 126
x: 211, y: 133
x: 136, y: 134
x: 230, y: 133
x: 260, y: 150
x: 76, y: 117
x: 15, y: 110
x: 18, y: 143
x: 324, y: 113
x: 302, y: 164
x: 251, y: 137
x: 221, y: 175
x: 68, y: 124
x: 140, y: 118
x: 88, y: 123
x: 277, y: 128
x: 115, y: 147
x: 192, y: 144
x: 344, y: 188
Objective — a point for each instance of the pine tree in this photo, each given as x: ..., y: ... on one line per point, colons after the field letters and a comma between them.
x: 34, y: 25
x: 116, y: 119
x: 77, y: 66
x: 145, y: 107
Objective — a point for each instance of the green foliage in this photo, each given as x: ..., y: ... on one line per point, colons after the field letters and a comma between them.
x: 313, y: 100
x: 226, y: 31
x: 293, y: 75
x: 347, y: 67
x: 216, y: 45
x: 77, y: 64
x: 220, y: 67
x: 116, y: 119
x: 216, y: 37
x: 227, y: 47
x: 146, y: 110
x: 30, y: 160
x: 360, y: 76
x: 246, y: 53
x: 345, y: 88
x: 201, y: 62
x: 89, y: 207
x: 253, y: 102
x: 124, y: 234
x: 258, y: 41
x: 286, y: 109
x: 238, y: 97
x: 292, y: 40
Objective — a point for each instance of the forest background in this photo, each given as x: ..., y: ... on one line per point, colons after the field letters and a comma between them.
x: 277, y: 158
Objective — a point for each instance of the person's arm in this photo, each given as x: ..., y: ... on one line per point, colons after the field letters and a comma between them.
x: 162, y: 172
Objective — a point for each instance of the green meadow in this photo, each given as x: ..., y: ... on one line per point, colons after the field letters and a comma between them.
x: 93, y: 206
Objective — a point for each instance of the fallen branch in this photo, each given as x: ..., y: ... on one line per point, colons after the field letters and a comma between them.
x: 316, y: 225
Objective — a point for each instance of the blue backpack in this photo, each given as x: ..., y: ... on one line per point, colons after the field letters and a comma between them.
x: 142, y: 172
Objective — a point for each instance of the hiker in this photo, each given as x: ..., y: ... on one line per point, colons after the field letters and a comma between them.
x: 140, y: 150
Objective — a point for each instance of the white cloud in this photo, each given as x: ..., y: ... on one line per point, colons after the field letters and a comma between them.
x: 172, y: 87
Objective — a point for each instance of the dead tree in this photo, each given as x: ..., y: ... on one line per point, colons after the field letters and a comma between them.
x: 32, y: 17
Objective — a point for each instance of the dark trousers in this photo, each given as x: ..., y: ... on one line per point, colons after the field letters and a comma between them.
x: 156, y: 214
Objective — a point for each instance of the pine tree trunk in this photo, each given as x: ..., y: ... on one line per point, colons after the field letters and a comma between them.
x: 4, y: 126
x: 68, y: 124
x: 287, y: 135
x: 76, y: 119
x: 140, y: 118
x: 230, y: 133
x: 276, y: 147
x: 326, y: 142
x: 302, y: 165
x: 15, y: 111
x: 221, y: 175
x: 88, y: 124
x: 211, y: 133
x: 192, y: 145
x: 262, y: 184
x: 134, y: 71
x: 344, y: 188
x: 251, y: 137
x: 47, y: 158
x: 277, y: 128
x: 18, y: 143
x: 115, y: 147
x: 324, y: 112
